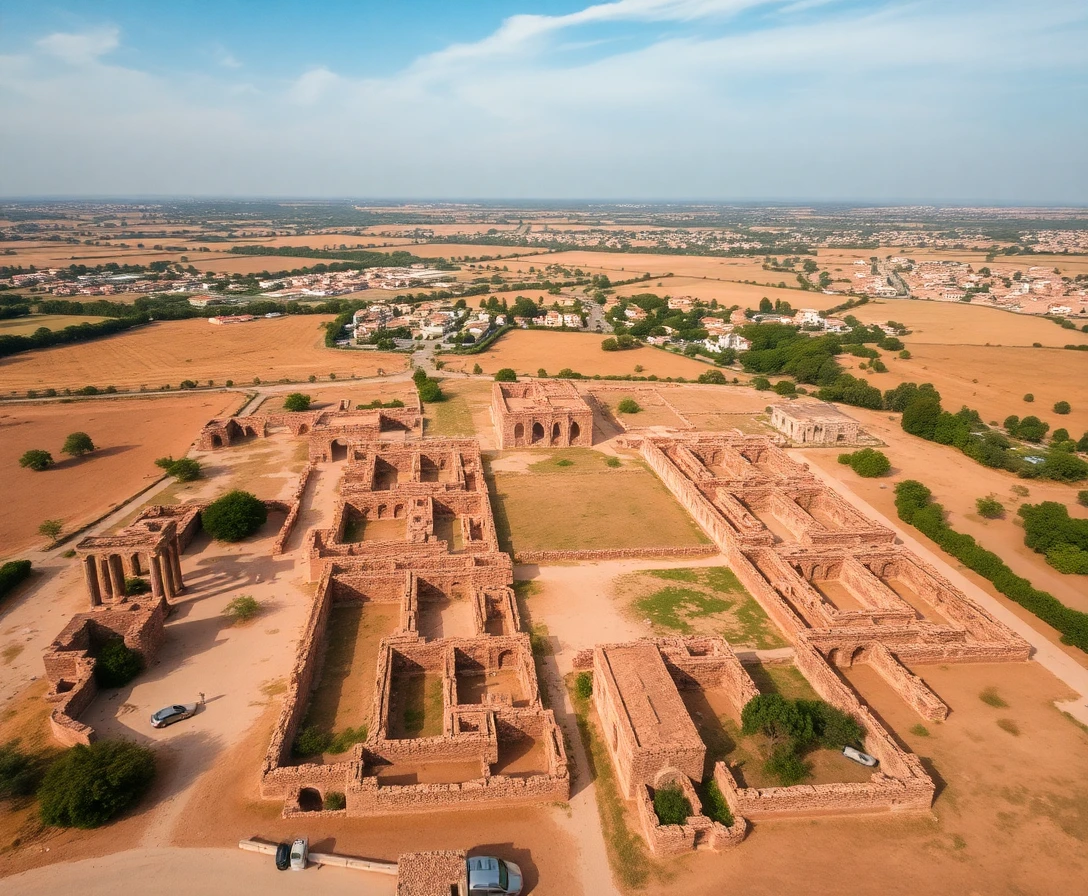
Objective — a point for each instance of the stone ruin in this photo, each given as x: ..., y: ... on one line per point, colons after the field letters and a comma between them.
x: 815, y: 423
x: 541, y: 414
x: 440, y: 873
x: 414, y: 532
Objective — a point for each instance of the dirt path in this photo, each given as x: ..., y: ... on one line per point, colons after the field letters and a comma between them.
x: 1047, y: 654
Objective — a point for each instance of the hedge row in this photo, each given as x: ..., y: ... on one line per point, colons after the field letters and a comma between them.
x: 12, y: 573
x: 915, y: 505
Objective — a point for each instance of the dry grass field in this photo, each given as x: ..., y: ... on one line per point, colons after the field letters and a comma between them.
x: 129, y: 434
x: 24, y: 326
x: 956, y: 323
x: 730, y: 293
x: 654, y: 411
x: 452, y: 250
x: 541, y: 506
x: 252, y: 264
x: 993, y: 380
x: 526, y: 351
x: 167, y: 353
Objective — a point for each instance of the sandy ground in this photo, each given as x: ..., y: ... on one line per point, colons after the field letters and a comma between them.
x: 166, y: 353
x: 129, y: 434
x: 957, y: 482
x: 528, y: 350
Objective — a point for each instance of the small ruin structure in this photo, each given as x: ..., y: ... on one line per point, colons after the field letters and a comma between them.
x: 545, y: 414
x: 815, y: 423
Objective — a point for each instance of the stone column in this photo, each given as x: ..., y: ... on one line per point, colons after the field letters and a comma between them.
x: 104, y: 578
x: 133, y: 564
x: 117, y: 577
x: 90, y: 575
x: 164, y: 575
x: 174, y: 553
x: 156, y: 576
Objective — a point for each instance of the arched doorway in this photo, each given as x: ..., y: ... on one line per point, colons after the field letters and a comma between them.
x: 557, y: 433
x: 309, y: 800
x: 519, y: 432
x: 575, y: 431
x: 338, y: 450
x: 217, y: 441
x: 538, y: 433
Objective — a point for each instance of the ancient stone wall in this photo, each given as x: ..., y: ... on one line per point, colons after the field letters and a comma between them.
x: 906, y: 684
x: 587, y: 556
x: 294, y: 503
x: 432, y: 874
x: 541, y: 414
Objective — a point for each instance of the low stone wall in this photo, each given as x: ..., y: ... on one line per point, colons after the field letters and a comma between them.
x: 650, y: 553
x: 696, y: 832
x: 72, y: 699
x: 294, y: 504
x: 907, y: 685
x: 369, y: 798
x: 432, y: 874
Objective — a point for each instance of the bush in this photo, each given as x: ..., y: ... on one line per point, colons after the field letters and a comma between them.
x: 1082, y: 498
x: 184, y: 469
x: 311, y: 741
x: 116, y: 664
x: 234, y: 516
x: 36, y: 459
x: 1062, y: 407
x: 430, y: 392
x: 989, y: 507
x: 671, y: 806
x: 134, y: 586
x: 77, y: 444
x: 785, y: 387
x: 1029, y: 398
x: 12, y: 573
x: 786, y: 766
x: 51, y: 529
x: 242, y: 608
x: 628, y: 406
x: 867, y: 462
x: 17, y: 772
x: 297, y: 401
x: 715, y: 806
x: 583, y: 685
x: 615, y: 462
x: 335, y: 801
x: 1068, y: 559
x: 506, y: 375
x: 89, y: 786
x: 761, y: 383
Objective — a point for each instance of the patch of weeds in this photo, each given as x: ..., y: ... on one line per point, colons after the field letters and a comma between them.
x: 583, y: 685
x: 1076, y: 721
x: 715, y: 806
x: 242, y: 609
x: 958, y: 842
x: 1010, y: 726
x: 274, y: 688
x: 342, y: 741
x: 991, y: 698
x: 11, y: 652
x: 664, y: 608
x: 919, y: 730
x: 564, y: 462
x: 674, y: 575
x: 612, y: 462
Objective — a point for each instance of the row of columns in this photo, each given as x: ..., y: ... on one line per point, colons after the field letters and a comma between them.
x: 105, y: 574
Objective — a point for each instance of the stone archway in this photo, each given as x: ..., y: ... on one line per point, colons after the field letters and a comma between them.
x: 309, y: 800
x: 217, y: 441
x: 575, y: 431
x: 557, y: 433
x: 338, y: 450
x: 538, y: 433
x: 519, y: 432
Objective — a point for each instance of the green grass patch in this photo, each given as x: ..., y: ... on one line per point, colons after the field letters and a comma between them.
x: 1010, y: 726
x: 452, y: 417
x: 991, y: 698
x: 919, y: 730
x: 664, y: 608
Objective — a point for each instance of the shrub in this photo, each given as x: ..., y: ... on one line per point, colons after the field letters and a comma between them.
x: 51, y: 529
x: 342, y: 741
x: 134, y: 586
x: 184, y: 469
x: 297, y: 401
x: 335, y: 801
x: 12, y: 573
x: 116, y: 664
x: 1029, y: 398
x: 541, y: 373
x: 615, y: 462
x: 671, y: 806
x: 761, y: 383
x: 88, y: 786
x: 786, y: 766
x: 242, y: 608
x: 583, y: 685
x: 1082, y: 498
x: 311, y: 741
x: 715, y: 806
x: 628, y: 406
x: 77, y: 444
x: 1062, y: 407
x: 430, y: 392
x: 867, y: 462
x: 989, y: 507
x: 17, y: 771
x: 234, y: 516
x: 506, y: 375
x: 1068, y: 559
x: 905, y: 354
x: 785, y: 387
x: 477, y: 369
x: 36, y: 459
x: 712, y: 377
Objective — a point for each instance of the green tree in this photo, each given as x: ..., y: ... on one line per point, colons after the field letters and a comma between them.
x: 51, y: 529
x: 1029, y: 398
x: 77, y: 444
x: 242, y: 608
x: 628, y: 406
x: 867, y: 462
x: 90, y: 785
x: 506, y: 375
x: 297, y: 401
x: 920, y: 416
x: 715, y: 377
x: 1062, y: 407
x: 765, y: 305
x: 761, y: 383
x: 477, y: 369
x: 234, y: 516
x: 116, y: 664
x: 989, y: 507
x: 36, y: 459
x: 18, y: 773
x: 785, y: 387
x: 184, y: 469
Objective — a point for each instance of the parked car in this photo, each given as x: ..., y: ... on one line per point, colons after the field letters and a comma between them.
x: 283, y: 856
x: 493, y: 876
x: 170, y: 714
x: 858, y: 756
x: 300, y: 849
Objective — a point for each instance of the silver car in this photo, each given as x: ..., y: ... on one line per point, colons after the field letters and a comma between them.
x: 493, y: 877
x: 859, y: 757
x: 170, y: 714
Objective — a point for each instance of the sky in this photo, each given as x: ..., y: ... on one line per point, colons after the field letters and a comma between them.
x: 954, y: 101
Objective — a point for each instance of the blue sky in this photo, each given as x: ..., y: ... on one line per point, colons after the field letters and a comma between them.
x: 868, y: 100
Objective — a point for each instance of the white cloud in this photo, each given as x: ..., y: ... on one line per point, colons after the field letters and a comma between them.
x: 79, y: 49
x: 311, y: 86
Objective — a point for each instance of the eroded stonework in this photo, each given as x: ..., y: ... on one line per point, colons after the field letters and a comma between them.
x: 542, y: 414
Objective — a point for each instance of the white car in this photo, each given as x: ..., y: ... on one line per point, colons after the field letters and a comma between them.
x: 300, y: 849
x: 859, y: 757
x: 170, y: 714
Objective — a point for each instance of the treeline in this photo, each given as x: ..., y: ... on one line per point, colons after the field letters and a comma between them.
x: 1050, y: 530
x: 43, y: 337
x: 7, y: 312
x: 12, y: 573
x: 915, y: 505
x: 520, y: 242
x: 359, y: 258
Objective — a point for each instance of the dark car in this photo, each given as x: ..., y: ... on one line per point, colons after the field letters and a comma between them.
x: 283, y: 856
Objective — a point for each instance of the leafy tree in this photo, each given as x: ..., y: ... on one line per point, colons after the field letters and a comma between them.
x: 765, y: 305
x: 477, y: 369
x: 785, y: 765
x: 90, y: 785
x: 761, y: 383
x: 77, y: 444
x: 184, y: 469
x: 831, y: 727
x: 628, y: 406
x: 234, y: 516
x: 116, y: 664
x: 12, y: 573
x: 430, y: 392
x: 785, y: 387
x: 1059, y: 435
x: 297, y: 401
x: 920, y: 416
x: 1031, y: 429
x: 867, y: 462
x: 18, y: 775
x: 1063, y: 466
x: 1082, y: 498
x: 776, y: 718
x: 1062, y: 407
x: 989, y: 507
x: 506, y: 375
x: 36, y: 459
x: 1029, y: 398
x: 715, y: 377
x: 671, y: 806
x: 51, y: 529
